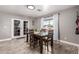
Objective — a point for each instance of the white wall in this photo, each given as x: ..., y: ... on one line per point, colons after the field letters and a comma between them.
x: 5, y: 24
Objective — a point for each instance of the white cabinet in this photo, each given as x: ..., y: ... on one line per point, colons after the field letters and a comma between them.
x: 19, y: 28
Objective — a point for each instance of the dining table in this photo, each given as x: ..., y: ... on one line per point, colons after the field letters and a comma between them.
x: 40, y: 36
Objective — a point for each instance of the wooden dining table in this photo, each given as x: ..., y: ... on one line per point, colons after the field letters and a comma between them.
x: 40, y: 36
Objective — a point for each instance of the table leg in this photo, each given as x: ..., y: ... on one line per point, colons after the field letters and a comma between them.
x: 41, y: 46
x: 27, y: 38
x: 52, y: 46
x: 34, y: 42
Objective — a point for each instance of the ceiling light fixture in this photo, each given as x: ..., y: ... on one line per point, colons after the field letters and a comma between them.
x: 31, y: 7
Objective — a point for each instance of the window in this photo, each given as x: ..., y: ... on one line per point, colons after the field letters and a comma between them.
x: 47, y: 23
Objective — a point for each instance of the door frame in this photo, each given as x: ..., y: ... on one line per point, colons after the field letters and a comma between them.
x: 23, y: 27
x: 12, y: 28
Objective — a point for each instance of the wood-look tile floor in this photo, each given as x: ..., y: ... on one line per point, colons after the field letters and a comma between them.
x: 20, y: 46
x: 17, y: 46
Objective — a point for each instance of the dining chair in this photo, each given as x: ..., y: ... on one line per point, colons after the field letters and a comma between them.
x: 43, y: 30
x: 33, y: 39
x: 31, y: 31
x: 48, y: 40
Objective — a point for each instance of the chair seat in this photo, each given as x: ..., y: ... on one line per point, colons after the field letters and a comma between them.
x: 47, y: 40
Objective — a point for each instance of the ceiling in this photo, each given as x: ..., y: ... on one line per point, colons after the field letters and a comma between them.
x: 24, y: 11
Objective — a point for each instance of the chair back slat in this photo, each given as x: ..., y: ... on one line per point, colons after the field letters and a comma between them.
x: 50, y: 34
x: 31, y: 31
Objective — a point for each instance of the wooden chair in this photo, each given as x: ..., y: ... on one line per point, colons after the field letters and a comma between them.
x: 48, y: 39
x: 31, y: 31
x: 33, y: 38
x: 43, y: 30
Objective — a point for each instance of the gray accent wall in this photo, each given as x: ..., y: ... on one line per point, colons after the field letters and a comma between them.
x: 67, y: 20
x: 5, y: 24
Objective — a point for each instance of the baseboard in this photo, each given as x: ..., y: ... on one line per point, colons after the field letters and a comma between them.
x: 5, y: 39
x: 70, y: 43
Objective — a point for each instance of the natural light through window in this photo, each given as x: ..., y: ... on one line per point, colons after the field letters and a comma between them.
x: 47, y: 23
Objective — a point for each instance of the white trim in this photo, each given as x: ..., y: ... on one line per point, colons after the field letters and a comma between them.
x: 12, y: 28
x: 5, y: 39
x: 70, y: 43
x: 28, y: 25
